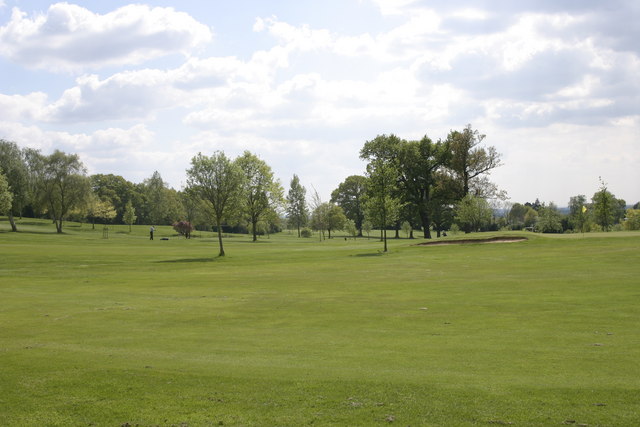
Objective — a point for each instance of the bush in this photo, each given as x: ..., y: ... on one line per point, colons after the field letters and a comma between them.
x: 305, y: 232
x: 183, y: 227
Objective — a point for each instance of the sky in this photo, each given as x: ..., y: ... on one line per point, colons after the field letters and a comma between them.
x: 135, y: 88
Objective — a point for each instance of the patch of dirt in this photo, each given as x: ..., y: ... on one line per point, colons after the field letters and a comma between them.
x: 470, y: 241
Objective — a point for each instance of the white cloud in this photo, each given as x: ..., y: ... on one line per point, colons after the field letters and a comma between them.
x: 70, y: 37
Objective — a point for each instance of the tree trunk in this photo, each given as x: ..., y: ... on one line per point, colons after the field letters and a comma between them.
x: 12, y: 222
x: 58, y: 226
x: 220, y: 237
x: 385, y: 239
x: 424, y: 218
x: 254, y: 226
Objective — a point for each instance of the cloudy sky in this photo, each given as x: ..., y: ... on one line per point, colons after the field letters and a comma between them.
x: 133, y: 88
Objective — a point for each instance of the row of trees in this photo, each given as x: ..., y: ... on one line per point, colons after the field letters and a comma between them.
x: 57, y: 186
x: 602, y: 212
x: 409, y: 184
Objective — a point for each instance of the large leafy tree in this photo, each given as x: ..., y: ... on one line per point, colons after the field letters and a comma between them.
x: 418, y: 162
x: 442, y: 201
x: 5, y: 195
x: 350, y: 196
x: 129, y: 216
x: 473, y: 213
x: 116, y: 190
x: 578, y: 212
x: 605, y: 206
x: 163, y: 205
x: 469, y: 161
x: 549, y: 219
x: 296, y: 204
x: 328, y: 216
x: 218, y: 181
x: 382, y: 170
x: 261, y: 193
x: 63, y: 185
x: 14, y: 168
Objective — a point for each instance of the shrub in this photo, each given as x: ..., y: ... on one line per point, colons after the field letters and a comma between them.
x: 305, y: 232
x: 183, y: 227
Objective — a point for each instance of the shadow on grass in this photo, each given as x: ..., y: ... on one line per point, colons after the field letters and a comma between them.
x: 49, y: 232
x: 369, y: 254
x: 187, y: 260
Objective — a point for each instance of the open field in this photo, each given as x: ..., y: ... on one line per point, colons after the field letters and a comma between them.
x: 294, y: 332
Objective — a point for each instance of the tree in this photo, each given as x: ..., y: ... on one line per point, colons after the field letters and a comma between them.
x: 632, y: 221
x: 327, y: 216
x: 261, y: 192
x: 530, y: 217
x: 116, y: 190
x: 99, y: 210
x: 351, y: 229
x: 6, y: 198
x: 162, y: 204
x: 443, y: 200
x: 296, y: 204
x: 382, y: 170
x: 473, y: 213
x: 14, y: 168
x: 549, y: 219
x: 406, y: 228
x: 217, y: 180
x: 604, y: 207
x: 129, y: 216
x: 578, y: 212
x: 350, y: 197
x: 469, y: 161
x: 63, y: 185
x: 184, y: 228
x: 516, y: 215
x: 367, y: 227
x: 418, y: 164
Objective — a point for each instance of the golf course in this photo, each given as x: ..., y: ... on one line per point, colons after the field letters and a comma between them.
x: 288, y: 331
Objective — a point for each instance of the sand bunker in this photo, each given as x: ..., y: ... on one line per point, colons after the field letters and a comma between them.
x: 470, y: 241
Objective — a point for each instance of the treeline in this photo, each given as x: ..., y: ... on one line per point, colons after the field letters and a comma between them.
x: 409, y: 185
x: 57, y: 186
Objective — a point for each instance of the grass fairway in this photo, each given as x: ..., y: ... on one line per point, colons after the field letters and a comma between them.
x: 292, y: 332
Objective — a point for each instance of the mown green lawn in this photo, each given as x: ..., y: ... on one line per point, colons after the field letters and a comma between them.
x: 292, y: 332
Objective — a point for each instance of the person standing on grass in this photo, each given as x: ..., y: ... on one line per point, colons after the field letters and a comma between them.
x: 151, y: 230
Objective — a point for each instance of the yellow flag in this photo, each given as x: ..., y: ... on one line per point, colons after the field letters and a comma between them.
x: 584, y: 209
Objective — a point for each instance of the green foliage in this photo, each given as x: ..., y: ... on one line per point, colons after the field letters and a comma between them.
x: 473, y: 213
x: 406, y: 228
x: 350, y: 228
x: 516, y: 216
x: 261, y: 193
x: 329, y: 217
x: 306, y: 232
x: 14, y: 168
x: 632, y: 221
x: 418, y: 165
x: 218, y: 181
x: 62, y: 185
x: 129, y: 216
x: 604, y: 207
x: 5, y: 195
x: 470, y: 161
x: 530, y: 217
x: 549, y: 219
x: 350, y: 196
x: 297, y: 212
x: 382, y: 206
